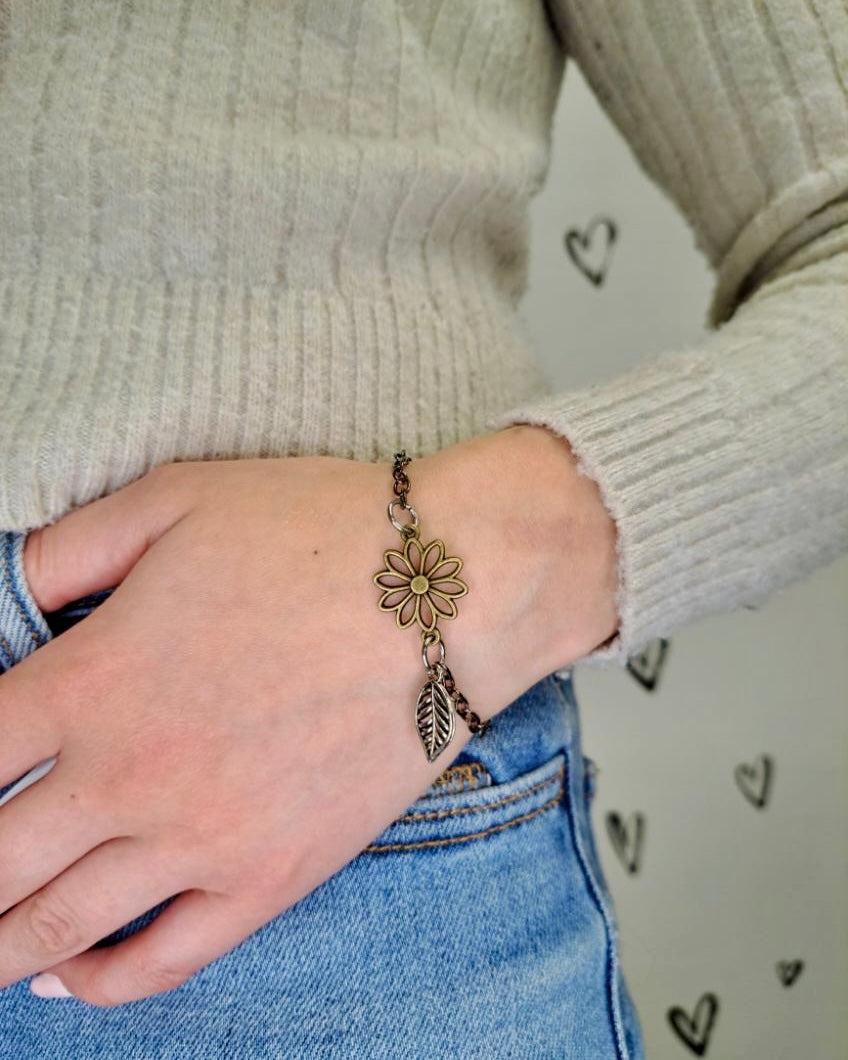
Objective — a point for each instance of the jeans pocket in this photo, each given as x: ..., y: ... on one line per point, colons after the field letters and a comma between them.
x: 69, y: 614
x: 465, y: 804
x: 23, y: 627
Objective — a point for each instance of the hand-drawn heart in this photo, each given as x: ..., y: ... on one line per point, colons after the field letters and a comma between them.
x: 754, y: 781
x: 627, y: 841
x: 788, y: 971
x: 695, y: 1032
x: 577, y: 253
x: 646, y: 665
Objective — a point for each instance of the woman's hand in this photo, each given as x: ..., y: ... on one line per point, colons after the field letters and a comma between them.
x: 234, y: 723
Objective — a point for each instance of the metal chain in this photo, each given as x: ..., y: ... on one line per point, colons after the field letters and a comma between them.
x: 399, y: 487
x: 401, y: 482
x: 460, y: 703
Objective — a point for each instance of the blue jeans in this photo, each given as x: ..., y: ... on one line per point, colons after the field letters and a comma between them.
x: 479, y: 923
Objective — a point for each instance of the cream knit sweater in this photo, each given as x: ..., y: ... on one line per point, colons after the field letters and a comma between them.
x: 239, y: 228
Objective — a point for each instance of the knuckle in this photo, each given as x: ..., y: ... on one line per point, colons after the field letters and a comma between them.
x: 97, y: 991
x: 53, y: 928
x: 157, y: 975
x: 173, y: 487
x: 149, y: 976
x: 166, y: 472
x: 162, y: 480
x: 99, y: 999
x: 175, y: 475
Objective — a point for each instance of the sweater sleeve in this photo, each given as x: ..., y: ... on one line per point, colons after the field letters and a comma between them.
x: 725, y: 463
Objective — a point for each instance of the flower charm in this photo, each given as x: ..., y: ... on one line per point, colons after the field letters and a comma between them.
x: 420, y: 584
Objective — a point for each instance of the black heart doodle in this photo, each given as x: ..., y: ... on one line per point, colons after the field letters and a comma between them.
x: 646, y: 665
x: 574, y: 236
x: 695, y: 1032
x: 627, y: 842
x: 788, y: 971
x: 754, y: 781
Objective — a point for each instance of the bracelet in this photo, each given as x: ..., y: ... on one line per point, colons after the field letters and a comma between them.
x: 418, y: 585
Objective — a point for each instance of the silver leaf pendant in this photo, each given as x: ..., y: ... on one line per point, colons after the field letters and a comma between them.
x: 434, y: 718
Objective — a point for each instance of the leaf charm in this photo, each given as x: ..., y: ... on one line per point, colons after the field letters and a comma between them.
x: 434, y: 718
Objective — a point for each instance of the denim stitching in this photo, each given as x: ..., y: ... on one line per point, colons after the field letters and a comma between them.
x: 15, y: 593
x: 611, y: 955
x: 433, y: 815
x: 380, y: 848
x: 455, y: 778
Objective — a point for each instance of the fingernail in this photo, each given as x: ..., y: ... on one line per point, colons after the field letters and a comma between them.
x: 47, y: 985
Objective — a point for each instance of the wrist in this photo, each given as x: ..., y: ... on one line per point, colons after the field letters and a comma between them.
x: 581, y: 548
x: 539, y: 558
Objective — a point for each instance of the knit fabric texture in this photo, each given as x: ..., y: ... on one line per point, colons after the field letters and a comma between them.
x: 239, y: 228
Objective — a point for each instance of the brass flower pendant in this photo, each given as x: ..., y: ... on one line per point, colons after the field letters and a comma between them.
x: 420, y: 584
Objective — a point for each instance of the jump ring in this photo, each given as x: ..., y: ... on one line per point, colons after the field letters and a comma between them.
x: 427, y: 663
x: 402, y: 527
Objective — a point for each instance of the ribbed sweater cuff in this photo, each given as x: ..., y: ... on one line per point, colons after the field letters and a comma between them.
x: 723, y: 466
x: 649, y: 438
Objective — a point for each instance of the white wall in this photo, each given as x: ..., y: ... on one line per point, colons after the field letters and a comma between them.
x: 724, y: 890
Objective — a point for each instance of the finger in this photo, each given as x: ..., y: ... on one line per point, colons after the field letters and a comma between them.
x: 29, y: 728
x: 197, y: 928
x: 94, y: 547
x: 44, y: 829
x: 104, y: 891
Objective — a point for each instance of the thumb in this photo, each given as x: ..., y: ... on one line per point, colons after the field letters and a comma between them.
x: 94, y: 547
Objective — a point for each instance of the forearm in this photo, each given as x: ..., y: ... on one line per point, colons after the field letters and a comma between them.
x: 538, y: 549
